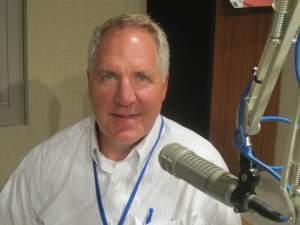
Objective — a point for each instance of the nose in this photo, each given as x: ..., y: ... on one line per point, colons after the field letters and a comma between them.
x: 125, y: 93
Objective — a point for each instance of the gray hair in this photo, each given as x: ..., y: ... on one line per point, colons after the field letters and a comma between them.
x: 139, y: 21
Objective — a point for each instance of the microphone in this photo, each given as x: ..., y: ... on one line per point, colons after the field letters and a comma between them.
x: 206, y: 176
x: 213, y: 180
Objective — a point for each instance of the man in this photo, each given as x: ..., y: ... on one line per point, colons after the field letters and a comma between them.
x: 105, y: 169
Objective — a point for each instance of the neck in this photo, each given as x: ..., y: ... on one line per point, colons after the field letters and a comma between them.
x: 114, y: 152
x: 111, y: 149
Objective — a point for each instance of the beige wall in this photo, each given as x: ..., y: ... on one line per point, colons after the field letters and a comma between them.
x: 57, y: 36
x: 287, y: 107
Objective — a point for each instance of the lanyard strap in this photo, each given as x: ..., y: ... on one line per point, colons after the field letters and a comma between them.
x: 135, y: 189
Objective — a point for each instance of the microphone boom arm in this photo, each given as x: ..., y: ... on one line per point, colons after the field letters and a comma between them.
x: 284, y: 29
x: 285, y: 26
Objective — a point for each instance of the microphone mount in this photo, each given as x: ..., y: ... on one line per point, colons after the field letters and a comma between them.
x: 244, y: 197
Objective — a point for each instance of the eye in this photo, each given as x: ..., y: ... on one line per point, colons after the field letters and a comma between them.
x: 141, y: 76
x: 107, y: 76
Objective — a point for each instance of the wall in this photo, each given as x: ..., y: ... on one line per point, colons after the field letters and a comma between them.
x: 191, y: 41
x: 240, y: 36
x: 287, y: 107
x: 57, y: 35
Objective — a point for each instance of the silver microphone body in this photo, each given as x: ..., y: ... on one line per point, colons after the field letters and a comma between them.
x: 200, y: 173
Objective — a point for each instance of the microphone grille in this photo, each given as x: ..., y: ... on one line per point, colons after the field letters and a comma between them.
x: 184, y: 163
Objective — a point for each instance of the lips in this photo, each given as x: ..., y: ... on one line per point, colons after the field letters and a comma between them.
x: 125, y: 116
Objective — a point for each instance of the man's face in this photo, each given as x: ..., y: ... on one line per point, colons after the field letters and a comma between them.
x: 126, y: 87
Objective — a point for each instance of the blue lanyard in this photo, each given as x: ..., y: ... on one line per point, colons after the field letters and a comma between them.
x: 136, y: 186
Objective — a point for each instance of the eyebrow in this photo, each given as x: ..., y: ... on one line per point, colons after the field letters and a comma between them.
x: 100, y: 71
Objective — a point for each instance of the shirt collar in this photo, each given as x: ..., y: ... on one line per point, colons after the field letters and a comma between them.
x: 140, y: 151
x: 145, y: 145
x: 94, y: 148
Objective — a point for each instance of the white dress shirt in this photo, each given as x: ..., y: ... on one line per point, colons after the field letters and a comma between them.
x: 54, y: 184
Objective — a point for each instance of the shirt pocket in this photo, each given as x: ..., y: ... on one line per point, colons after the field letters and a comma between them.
x: 137, y: 221
x: 166, y: 222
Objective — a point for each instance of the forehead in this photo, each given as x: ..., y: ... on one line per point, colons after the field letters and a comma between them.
x: 126, y: 40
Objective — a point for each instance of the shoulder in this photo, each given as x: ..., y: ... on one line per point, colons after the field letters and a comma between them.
x: 56, y: 149
x: 58, y: 153
x: 68, y: 136
x: 177, y: 133
x: 44, y: 170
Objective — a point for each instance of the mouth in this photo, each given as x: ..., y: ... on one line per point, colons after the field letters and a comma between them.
x: 125, y: 116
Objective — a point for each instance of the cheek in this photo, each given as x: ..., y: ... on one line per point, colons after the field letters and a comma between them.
x: 100, y: 98
x: 151, y: 100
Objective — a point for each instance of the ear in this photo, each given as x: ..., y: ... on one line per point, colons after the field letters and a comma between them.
x: 165, y: 86
x: 89, y: 82
x: 88, y: 74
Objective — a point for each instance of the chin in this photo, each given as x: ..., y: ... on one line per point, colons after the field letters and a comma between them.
x: 128, y: 138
